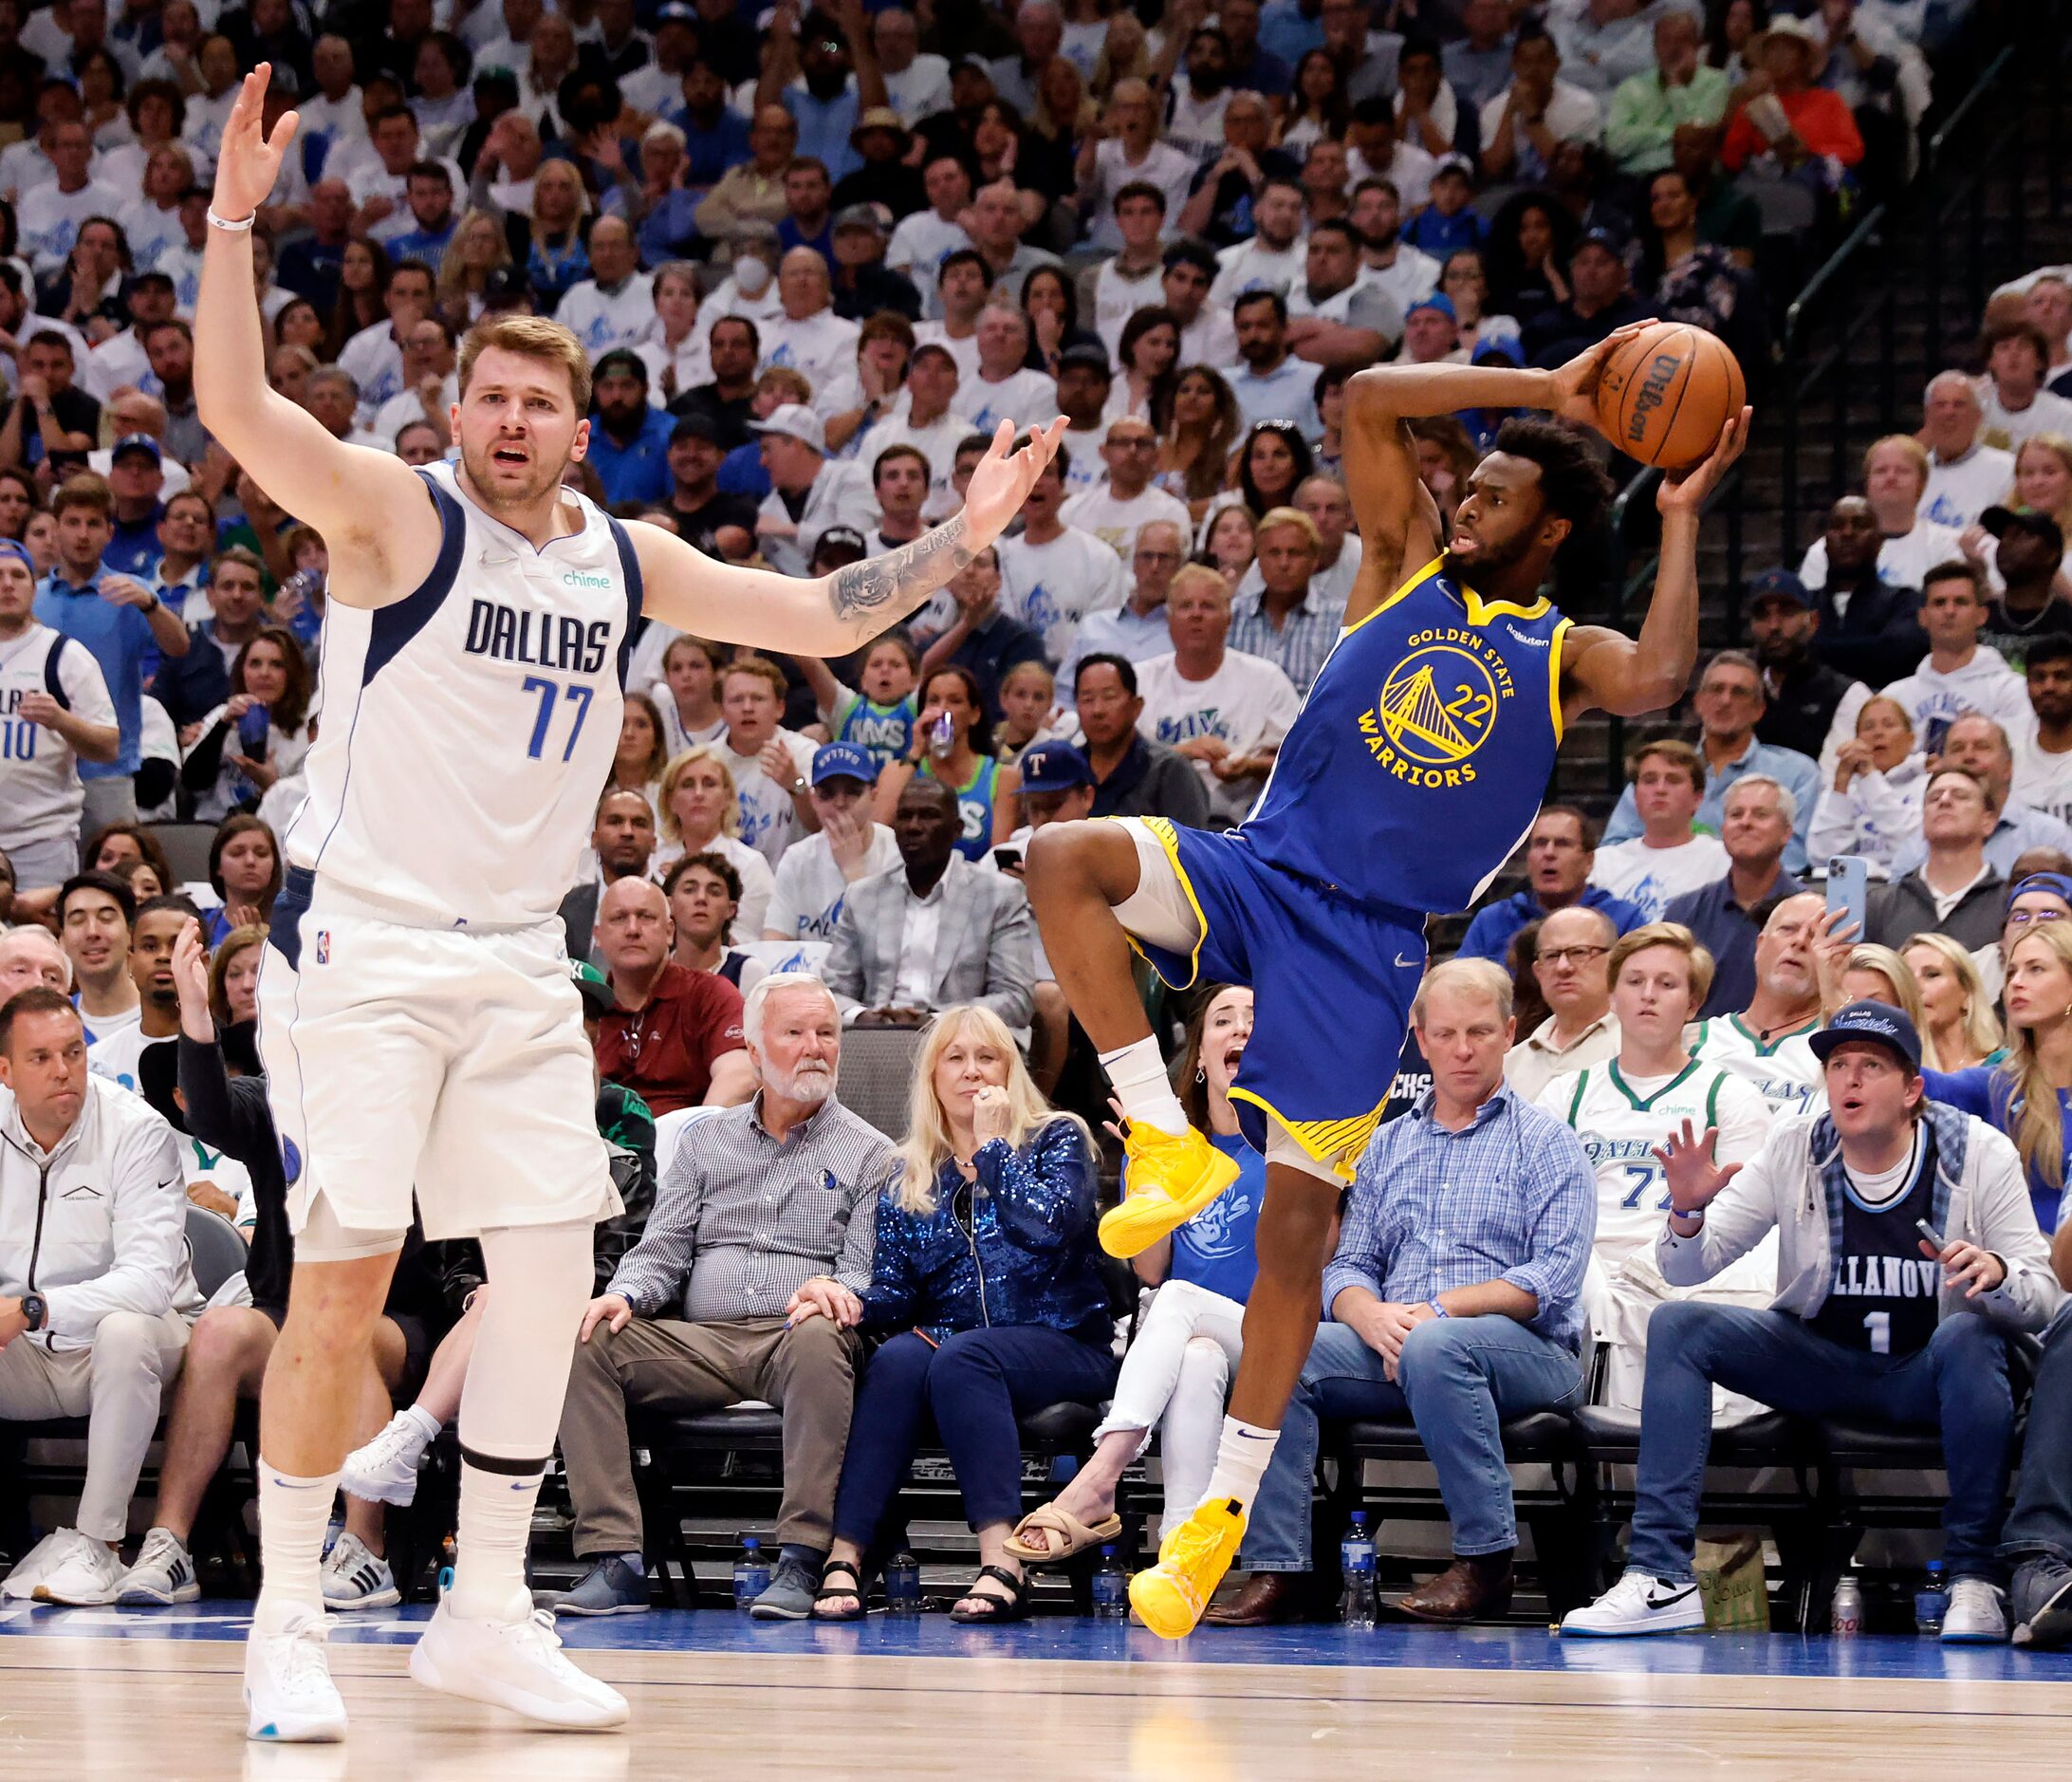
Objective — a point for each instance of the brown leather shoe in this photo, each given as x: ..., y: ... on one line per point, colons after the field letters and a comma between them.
x: 1267, y: 1600
x: 1469, y: 1590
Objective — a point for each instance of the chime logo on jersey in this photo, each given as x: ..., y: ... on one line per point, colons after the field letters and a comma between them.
x: 1437, y: 707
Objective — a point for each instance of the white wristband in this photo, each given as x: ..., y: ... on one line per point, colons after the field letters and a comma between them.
x: 227, y: 227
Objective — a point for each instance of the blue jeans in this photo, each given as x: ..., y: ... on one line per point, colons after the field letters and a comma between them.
x: 1460, y: 1379
x: 973, y: 1386
x: 1958, y: 1385
x: 2040, y: 1524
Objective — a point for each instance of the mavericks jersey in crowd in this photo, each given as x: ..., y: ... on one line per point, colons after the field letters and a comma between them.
x: 1423, y: 751
x: 1784, y: 1068
x: 884, y: 733
x: 1622, y: 1122
x: 468, y: 726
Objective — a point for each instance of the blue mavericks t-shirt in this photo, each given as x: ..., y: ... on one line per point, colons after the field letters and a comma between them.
x: 1218, y: 1247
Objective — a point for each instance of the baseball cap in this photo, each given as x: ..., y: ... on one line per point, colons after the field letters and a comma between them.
x: 620, y: 359
x: 881, y: 118
x: 1439, y: 301
x: 694, y: 427
x: 2054, y: 883
x: 1455, y: 164
x: 1871, y: 1020
x: 859, y: 216
x: 795, y: 421
x: 1779, y: 585
x: 2001, y: 521
x: 595, y: 994
x: 505, y: 286
x: 676, y: 11
x: 19, y: 551
x: 1605, y: 236
x: 1054, y: 767
x: 138, y: 442
x: 1088, y: 358
x: 841, y: 760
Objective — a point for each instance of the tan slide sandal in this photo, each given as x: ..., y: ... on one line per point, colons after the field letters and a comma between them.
x: 1077, y: 1535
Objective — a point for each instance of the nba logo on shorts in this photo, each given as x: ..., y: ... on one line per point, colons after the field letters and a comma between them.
x: 324, y: 946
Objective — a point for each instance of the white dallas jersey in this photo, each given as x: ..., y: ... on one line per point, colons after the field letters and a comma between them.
x: 1785, y: 1071
x: 40, y: 796
x: 468, y: 726
x: 1622, y: 1122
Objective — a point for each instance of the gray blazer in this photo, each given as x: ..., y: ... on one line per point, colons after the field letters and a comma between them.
x: 985, y: 943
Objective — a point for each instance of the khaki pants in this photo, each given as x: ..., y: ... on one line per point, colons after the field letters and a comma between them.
x: 667, y: 1364
x: 116, y: 1382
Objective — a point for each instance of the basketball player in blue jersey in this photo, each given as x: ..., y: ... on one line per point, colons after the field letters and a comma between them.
x: 418, y: 1022
x: 1417, y: 765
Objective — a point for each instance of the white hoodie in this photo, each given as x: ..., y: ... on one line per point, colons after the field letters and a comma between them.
x: 99, y: 1224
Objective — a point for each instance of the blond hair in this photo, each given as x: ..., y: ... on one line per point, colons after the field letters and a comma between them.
x: 2060, y: 448
x: 1906, y: 988
x: 529, y: 337
x: 1199, y: 574
x: 2032, y: 1096
x: 1289, y: 516
x: 929, y: 1144
x: 1469, y: 975
x: 729, y: 822
x: 1981, y: 1029
x: 1907, y: 446
x: 1673, y: 935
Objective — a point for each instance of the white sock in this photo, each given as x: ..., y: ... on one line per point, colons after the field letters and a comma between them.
x: 294, y: 1514
x: 1138, y: 1075
x: 495, y: 1530
x: 1241, y: 1461
x: 424, y: 1426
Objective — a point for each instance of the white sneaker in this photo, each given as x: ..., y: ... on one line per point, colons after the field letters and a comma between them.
x: 514, y: 1665
x: 1639, y: 1604
x: 290, y: 1697
x: 84, y: 1577
x: 164, y: 1574
x: 354, y: 1578
x: 384, y: 1471
x: 20, y: 1584
x: 1977, y: 1614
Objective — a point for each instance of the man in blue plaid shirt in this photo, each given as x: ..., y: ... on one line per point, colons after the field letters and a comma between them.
x: 1455, y: 1295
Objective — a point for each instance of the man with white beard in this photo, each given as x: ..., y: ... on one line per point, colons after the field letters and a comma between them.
x: 773, y: 1193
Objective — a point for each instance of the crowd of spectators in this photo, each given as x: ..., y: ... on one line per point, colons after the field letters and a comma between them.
x: 816, y: 258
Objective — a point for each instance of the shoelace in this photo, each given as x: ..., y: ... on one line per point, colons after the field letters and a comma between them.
x: 303, y: 1671
x: 1194, y: 1543
x: 535, y: 1632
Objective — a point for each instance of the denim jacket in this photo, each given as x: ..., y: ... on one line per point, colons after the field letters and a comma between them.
x: 1016, y: 1247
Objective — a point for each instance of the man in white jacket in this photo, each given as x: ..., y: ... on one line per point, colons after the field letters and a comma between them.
x: 95, y: 1289
x: 1873, y: 1318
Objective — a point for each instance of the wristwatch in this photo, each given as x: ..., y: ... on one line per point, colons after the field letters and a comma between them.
x: 1438, y: 1311
x: 799, y: 787
x: 34, y: 1310
x: 156, y: 604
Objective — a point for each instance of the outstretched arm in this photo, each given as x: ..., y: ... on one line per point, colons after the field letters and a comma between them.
x: 1605, y: 670
x: 834, y: 614
x: 382, y: 532
x: 1398, y: 520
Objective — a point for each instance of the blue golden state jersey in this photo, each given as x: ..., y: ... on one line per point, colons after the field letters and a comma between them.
x: 1422, y: 752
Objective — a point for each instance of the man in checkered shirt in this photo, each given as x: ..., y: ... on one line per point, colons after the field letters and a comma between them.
x: 757, y: 1200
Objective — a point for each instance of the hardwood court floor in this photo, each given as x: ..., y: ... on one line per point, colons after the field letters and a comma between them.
x: 119, y: 1695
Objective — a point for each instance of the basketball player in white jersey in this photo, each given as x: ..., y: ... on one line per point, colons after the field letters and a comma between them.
x: 1625, y: 1110
x: 417, y: 1019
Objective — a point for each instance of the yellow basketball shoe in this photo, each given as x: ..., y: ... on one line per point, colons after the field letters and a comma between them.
x: 1191, y: 1561
x: 1172, y: 1176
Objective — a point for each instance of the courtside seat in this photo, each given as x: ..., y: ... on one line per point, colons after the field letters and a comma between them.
x: 1612, y: 1434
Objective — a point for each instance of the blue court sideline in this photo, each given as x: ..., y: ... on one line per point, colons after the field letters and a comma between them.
x: 1066, y: 1638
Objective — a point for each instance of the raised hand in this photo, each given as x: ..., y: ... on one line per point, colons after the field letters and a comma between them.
x: 1576, y: 383
x: 250, y: 160
x: 1694, y: 1179
x: 1687, y: 490
x: 1002, y: 479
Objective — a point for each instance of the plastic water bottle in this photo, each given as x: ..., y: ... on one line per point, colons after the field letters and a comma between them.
x: 750, y: 1572
x: 902, y: 1584
x: 1111, y: 1588
x: 1356, y: 1561
x: 1932, y: 1601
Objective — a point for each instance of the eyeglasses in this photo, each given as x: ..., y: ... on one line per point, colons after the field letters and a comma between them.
x: 2022, y: 919
x: 1573, y: 956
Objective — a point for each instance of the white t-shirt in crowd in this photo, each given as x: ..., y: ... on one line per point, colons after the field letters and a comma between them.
x: 602, y: 320
x: 1253, y: 265
x: 965, y: 351
x: 1116, y: 522
x: 756, y: 879
x: 819, y: 349
x: 810, y: 890
x: 1411, y: 277
x: 377, y: 364
x: 2003, y: 426
x: 114, y: 1056
x: 48, y: 220
x: 768, y: 825
x: 1963, y: 489
x: 1117, y: 296
x: 1210, y: 340
x: 1985, y: 684
x: 1028, y: 399
x: 919, y: 245
x: 1050, y: 587
x: 920, y: 88
x: 1248, y: 702
x: 2043, y: 780
x: 1903, y: 561
x: 40, y: 796
x: 1648, y: 877
x: 938, y: 439
x: 1172, y: 170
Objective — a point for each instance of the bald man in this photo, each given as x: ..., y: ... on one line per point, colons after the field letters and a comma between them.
x: 615, y: 306
x: 31, y: 956
x: 675, y: 1038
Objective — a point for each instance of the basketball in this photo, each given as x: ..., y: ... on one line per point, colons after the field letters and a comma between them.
x: 1664, y: 396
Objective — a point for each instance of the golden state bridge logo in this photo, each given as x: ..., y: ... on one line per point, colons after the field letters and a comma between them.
x: 1437, y: 707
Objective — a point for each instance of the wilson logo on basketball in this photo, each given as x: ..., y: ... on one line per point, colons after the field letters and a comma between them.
x: 1653, y: 393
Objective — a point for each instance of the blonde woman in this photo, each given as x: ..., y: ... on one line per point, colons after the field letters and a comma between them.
x: 2025, y: 1094
x: 1871, y: 806
x: 2043, y: 480
x: 1961, y: 1030
x: 701, y: 813
x: 479, y: 247
x: 985, y: 1264
x: 1178, y: 1368
x: 1877, y: 974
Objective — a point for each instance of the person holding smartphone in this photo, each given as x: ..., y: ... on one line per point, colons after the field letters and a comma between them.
x: 261, y: 734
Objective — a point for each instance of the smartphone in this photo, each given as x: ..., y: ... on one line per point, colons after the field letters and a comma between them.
x: 1848, y: 890
x: 1008, y: 859
x: 1938, y: 733
x: 1933, y: 1235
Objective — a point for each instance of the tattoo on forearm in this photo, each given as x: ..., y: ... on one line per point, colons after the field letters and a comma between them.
x: 901, y: 578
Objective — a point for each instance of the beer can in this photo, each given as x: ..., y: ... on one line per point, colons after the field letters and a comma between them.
x: 1848, y: 1610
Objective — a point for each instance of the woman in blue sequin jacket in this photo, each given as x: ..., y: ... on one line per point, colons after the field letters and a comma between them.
x: 984, y: 1269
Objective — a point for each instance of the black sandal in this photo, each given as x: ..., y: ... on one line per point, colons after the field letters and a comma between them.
x: 1011, y: 1608
x: 825, y: 1595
